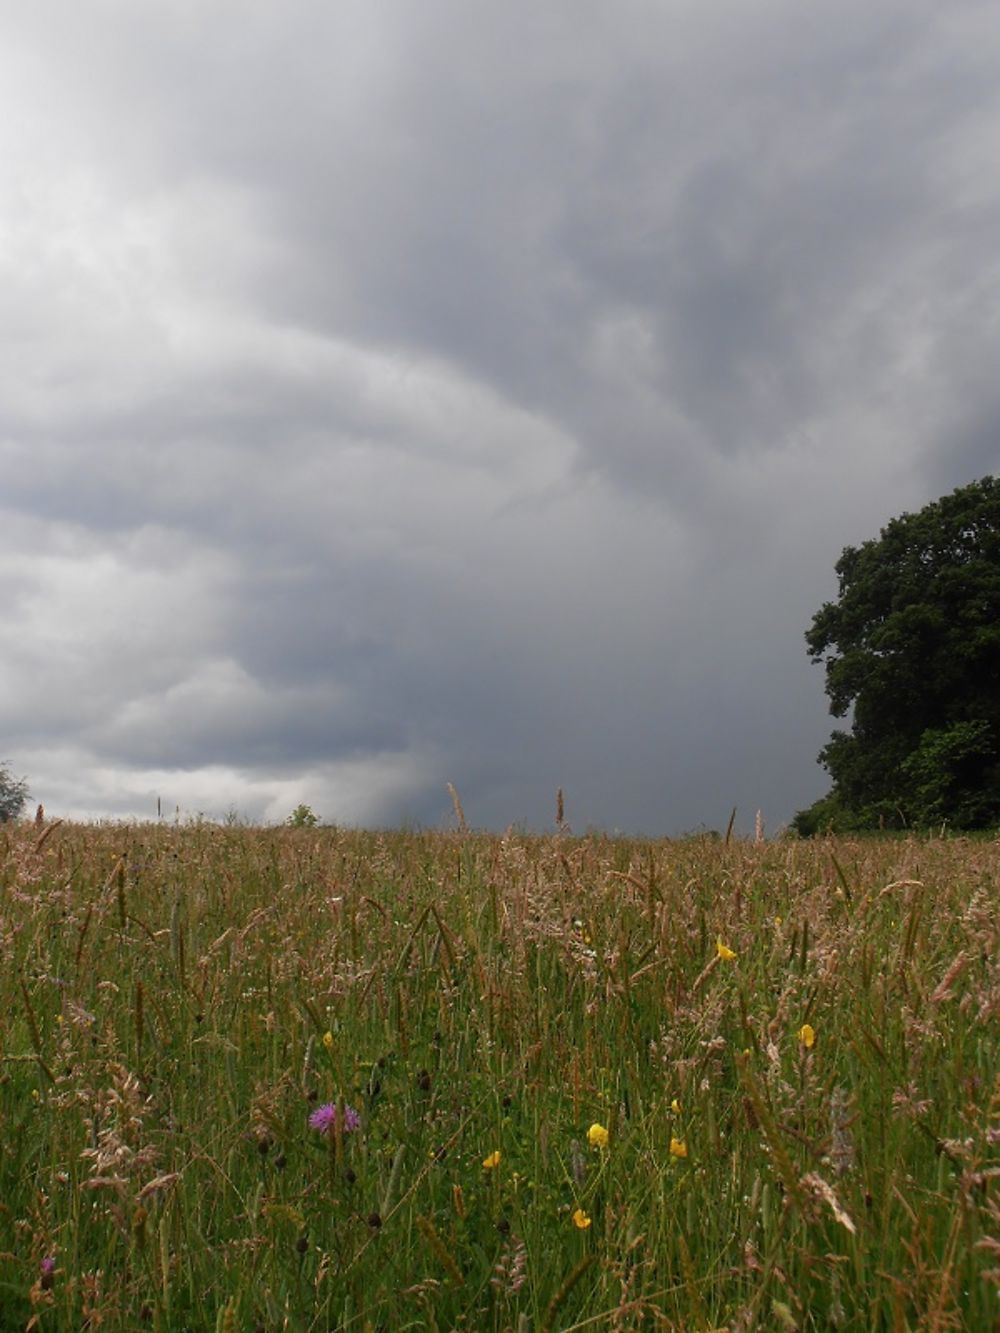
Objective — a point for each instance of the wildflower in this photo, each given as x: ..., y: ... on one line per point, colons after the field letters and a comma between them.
x: 581, y: 1220
x: 675, y: 1106
x: 807, y: 1036
x: 724, y: 951
x: 47, y: 1272
x: 325, y: 1119
x: 510, y: 1272
x: 493, y: 1161
x: 328, y: 1040
x: 678, y: 1148
x: 597, y: 1136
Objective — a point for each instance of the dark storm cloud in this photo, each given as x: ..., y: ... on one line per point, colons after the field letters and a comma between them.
x: 726, y: 208
x: 402, y: 394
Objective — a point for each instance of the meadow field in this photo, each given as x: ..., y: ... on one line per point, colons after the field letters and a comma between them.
x: 313, y: 1079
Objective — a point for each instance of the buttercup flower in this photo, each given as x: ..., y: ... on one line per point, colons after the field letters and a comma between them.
x: 597, y: 1136
x: 723, y: 950
x: 807, y: 1036
x: 675, y: 1106
x: 678, y: 1148
x: 324, y: 1119
x: 328, y: 1040
x: 581, y: 1220
x: 493, y: 1161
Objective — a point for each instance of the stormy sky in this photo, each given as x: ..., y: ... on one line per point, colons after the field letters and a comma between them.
x: 395, y: 394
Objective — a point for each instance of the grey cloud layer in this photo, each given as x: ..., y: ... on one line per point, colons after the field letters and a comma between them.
x: 395, y: 394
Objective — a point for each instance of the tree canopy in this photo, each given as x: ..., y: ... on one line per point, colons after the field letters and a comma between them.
x: 911, y: 648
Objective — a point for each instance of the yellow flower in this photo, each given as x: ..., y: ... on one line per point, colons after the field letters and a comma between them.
x: 724, y: 951
x: 493, y: 1161
x: 328, y: 1040
x: 675, y: 1106
x: 678, y: 1148
x: 581, y: 1220
x: 597, y: 1136
x: 807, y: 1036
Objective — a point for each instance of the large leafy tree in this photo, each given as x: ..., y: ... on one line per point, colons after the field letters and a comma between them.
x: 912, y: 651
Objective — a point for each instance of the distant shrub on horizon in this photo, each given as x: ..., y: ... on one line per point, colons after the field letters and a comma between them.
x: 13, y: 794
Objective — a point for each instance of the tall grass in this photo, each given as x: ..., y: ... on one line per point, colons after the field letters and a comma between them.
x: 602, y: 1084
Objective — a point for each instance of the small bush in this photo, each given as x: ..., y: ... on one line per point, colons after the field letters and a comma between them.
x: 13, y: 795
x: 302, y: 817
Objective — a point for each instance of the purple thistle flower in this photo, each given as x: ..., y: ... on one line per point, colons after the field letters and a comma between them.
x: 47, y: 1266
x: 324, y: 1119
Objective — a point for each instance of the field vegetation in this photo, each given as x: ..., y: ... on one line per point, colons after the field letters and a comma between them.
x: 309, y: 1079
